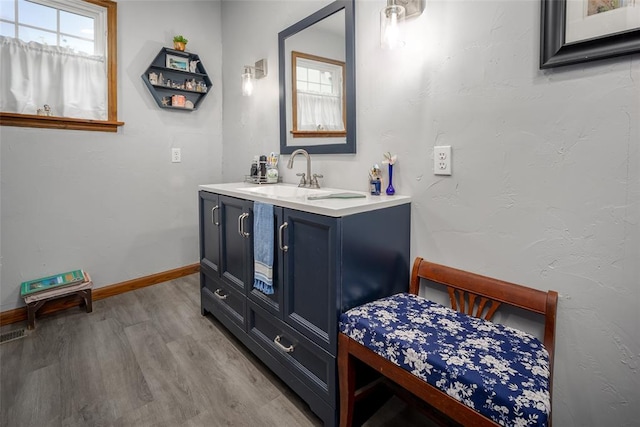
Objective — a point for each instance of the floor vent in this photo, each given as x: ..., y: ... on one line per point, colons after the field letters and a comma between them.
x: 12, y: 335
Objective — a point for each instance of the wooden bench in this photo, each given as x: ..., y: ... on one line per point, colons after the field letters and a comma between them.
x: 36, y: 301
x: 440, y: 375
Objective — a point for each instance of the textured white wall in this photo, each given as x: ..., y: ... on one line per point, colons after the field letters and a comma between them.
x: 545, y: 188
x: 114, y: 204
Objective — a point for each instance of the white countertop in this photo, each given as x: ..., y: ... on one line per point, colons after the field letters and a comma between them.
x: 288, y: 199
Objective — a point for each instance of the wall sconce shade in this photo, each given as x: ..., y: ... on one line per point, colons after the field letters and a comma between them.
x: 392, y: 18
x: 247, y: 81
x: 250, y: 73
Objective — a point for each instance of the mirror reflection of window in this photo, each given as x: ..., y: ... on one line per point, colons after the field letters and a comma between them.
x: 319, y: 101
x: 57, y: 59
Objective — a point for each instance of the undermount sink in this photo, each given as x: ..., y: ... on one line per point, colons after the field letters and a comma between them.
x: 285, y: 191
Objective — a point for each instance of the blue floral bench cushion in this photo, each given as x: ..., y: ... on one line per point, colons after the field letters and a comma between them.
x: 501, y: 372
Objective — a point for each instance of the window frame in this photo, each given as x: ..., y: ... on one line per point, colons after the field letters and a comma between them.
x: 295, y: 132
x: 109, y: 125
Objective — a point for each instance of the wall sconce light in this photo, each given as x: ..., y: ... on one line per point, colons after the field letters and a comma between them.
x: 251, y: 73
x: 391, y: 19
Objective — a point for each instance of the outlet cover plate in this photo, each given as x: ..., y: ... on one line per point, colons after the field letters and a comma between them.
x: 176, y: 155
x: 442, y: 160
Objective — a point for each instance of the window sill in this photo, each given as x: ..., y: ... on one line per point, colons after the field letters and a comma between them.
x: 317, y: 133
x: 33, y: 121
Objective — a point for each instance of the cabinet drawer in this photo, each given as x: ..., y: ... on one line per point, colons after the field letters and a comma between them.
x: 307, y: 361
x: 230, y: 302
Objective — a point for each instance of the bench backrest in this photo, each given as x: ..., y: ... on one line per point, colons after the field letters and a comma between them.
x: 480, y: 296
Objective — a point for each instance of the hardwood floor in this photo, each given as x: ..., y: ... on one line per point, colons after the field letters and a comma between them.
x: 148, y: 358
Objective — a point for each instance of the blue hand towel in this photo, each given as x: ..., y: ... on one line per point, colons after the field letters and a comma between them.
x: 263, y: 247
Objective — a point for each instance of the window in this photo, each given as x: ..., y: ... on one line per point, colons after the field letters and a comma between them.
x: 58, y: 64
x: 319, y: 102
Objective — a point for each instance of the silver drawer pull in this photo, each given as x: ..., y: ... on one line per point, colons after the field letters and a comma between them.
x: 241, y: 231
x: 215, y: 208
x: 219, y: 295
x: 240, y: 217
x: 284, y: 248
x: 283, y: 348
x: 244, y: 233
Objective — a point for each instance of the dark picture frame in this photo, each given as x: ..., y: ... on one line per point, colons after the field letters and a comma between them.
x: 555, y: 52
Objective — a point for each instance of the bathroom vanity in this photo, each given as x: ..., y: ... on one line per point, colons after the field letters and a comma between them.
x: 329, y: 256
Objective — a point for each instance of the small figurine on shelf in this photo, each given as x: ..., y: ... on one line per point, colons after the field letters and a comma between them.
x: 190, y: 84
x: 153, y: 78
x: 193, y: 66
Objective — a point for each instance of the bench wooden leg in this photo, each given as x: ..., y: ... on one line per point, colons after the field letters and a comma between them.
x: 31, y: 313
x: 88, y: 301
x: 347, y: 379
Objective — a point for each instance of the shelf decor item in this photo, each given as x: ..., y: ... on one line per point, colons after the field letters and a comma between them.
x: 177, y: 80
x: 180, y: 43
x: 177, y: 63
x: 390, y: 160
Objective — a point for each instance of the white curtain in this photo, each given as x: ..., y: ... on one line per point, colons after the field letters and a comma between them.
x: 32, y: 75
x: 319, y: 112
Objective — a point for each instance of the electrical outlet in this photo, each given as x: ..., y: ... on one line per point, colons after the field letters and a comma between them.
x: 176, y: 155
x: 442, y: 160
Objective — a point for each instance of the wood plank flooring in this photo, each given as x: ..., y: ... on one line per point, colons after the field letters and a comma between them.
x: 148, y: 358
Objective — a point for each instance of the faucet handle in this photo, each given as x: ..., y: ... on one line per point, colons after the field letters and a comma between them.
x: 314, y: 180
x: 303, y: 179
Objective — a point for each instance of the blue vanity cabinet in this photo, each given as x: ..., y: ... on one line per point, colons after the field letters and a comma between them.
x: 323, y: 266
x: 310, y: 274
x: 210, y: 232
x: 236, y: 243
x: 294, y: 334
x: 226, y: 268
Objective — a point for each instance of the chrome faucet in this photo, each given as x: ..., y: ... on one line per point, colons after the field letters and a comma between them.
x: 306, y: 180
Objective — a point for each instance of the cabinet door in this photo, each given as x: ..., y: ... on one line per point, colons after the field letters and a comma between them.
x: 236, y: 242
x: 210, y: 233
x: 310, y: 276
x: 272, y: 303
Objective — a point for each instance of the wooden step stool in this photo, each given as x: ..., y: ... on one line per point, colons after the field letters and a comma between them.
x: 36, y: 301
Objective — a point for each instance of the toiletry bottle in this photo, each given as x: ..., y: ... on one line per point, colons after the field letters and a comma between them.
x: 262, y: 166
x: 374, y: 186
x: 254, y: 166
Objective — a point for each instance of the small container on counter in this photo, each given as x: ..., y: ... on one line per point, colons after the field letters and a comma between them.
x: 374, y: 187
x: 272, y: 168
x: 374, y: 180
x: 262, y: 166
x: 254, y: 167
